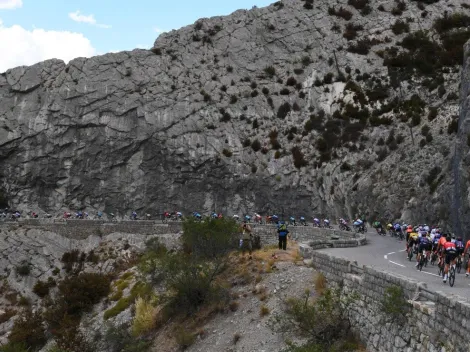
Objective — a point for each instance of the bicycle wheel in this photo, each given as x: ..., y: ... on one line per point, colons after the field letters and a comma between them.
x: 410, y: 254
x: 452, y: 276
x: 440, y: 270
x: 459, y: 265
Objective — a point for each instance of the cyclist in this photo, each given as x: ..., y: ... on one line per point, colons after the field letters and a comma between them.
x: 316, y: 222
x: 274, y: 219
x: 460, y: 247
x: 326, y: 223
x: 440, y: 248
x: 412, y: 241
x: 236, y: 217
x: 435, y: 240
x: 292, y: 221
x: 397, y: 228
x: 466, y: 250
x: 247, y: 218
x: 302, y: 221
x: 450, y: 255
x: 424, y: 245
x: 378, y: 227
x: 134, y: 215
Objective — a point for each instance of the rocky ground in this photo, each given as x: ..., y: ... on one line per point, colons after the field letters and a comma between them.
x: 247, y: 329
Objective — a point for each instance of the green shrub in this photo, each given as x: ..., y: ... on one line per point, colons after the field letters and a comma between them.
x: 209, y: 239
x: 29, y: 330
x: 298, y: 156
x: 227, y: 152
x: 358, y: 4
x: 341, y: 12
x: 119, y: 307
x: 42, y: 288
x: 328, y: 79
x: 399, y: 8
x: 23, y: 269
x: 382, y: 154
x: 256, y: 145
x: 345, y: 167
x: 394, y: 304
x: 291, y: 81
x: 323, y: 322
x: 453, y: 126
x: 184, y: 339
x: 400, y: 27
x: 14, y: 347
x: 270, y: 71
x: 454, y: 21
x: 351, y: 30
x: 119, y: 339
x: 283, y: 110
x: 233, y: 99
x: 432, y: 113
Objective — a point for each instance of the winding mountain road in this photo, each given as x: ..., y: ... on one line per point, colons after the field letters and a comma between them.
x: 388, y: 254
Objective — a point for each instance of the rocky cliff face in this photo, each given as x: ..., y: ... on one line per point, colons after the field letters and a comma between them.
x: 461, y: 161
x: 341, y: 108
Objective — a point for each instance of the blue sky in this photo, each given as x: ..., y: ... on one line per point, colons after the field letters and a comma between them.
x: 107, y: 25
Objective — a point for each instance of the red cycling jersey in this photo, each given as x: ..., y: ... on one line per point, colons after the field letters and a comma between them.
x: 450, y: 247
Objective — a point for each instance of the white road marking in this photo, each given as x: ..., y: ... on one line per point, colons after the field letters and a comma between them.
x: 397, y: 264
x: 425, y: 272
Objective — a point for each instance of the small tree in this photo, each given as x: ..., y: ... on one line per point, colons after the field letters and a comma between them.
x: 323, y: 321
x: 209, y: 239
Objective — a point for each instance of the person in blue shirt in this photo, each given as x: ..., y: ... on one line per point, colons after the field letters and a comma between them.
x: 425, y: 244
x: 282, y: 232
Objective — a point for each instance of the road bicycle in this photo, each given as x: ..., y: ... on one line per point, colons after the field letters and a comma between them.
x: 459, y: 264
x: 410, y: 253
x: 452, y: 275
x: 440, y: 266
x: 433, y: 258
x: 423, y: 260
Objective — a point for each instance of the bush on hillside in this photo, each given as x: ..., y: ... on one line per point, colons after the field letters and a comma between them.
x: 209, y: 239
x: 323, y: 321
x: 29, y: 330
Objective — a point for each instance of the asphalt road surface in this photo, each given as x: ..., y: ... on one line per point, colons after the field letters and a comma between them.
x: 388, y: 254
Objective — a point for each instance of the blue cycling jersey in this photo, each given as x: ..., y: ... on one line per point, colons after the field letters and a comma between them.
x: 459, y: 244
x: 424, y: 240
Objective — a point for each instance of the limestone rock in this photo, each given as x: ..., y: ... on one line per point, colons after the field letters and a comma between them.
x: 174, y: 127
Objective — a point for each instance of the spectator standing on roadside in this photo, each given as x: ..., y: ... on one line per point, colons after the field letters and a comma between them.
x: 246, y: 238
x: 282, y: 232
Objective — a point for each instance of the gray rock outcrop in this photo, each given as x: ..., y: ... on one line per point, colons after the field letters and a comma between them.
x: 461, y: 161
x: 294, y: 108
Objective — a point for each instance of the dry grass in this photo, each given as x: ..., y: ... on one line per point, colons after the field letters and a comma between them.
x: 264, y: 310
x: 236, y: 337
x: 234, y: 306
x: 145, y: 317
x: 320, y: 283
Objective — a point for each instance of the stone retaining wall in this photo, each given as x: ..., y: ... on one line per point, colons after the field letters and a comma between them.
x: 436, y: 322
x: 82, y: 229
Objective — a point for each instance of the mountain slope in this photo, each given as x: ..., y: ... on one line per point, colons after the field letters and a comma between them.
x: 298, y: 108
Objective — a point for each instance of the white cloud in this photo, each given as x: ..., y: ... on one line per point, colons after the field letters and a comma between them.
x: 159, y: 30
x: 29, y: 47
x: 90, y: 19
x: 10, y: 4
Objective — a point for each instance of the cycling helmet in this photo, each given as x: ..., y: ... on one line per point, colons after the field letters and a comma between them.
x: 459, y: 238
